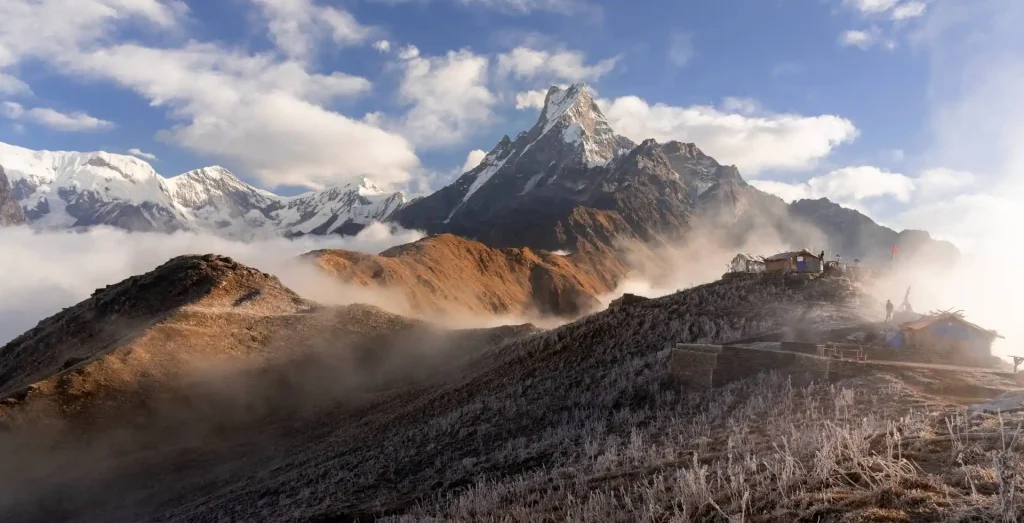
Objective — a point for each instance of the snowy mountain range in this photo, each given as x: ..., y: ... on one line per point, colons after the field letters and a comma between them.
x: 67, y: 190
x: 569, y: 182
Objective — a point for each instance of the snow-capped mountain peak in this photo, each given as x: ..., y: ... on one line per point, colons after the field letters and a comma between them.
x: 575, y: 115
x: 366, y: 187
x: 65, y: 189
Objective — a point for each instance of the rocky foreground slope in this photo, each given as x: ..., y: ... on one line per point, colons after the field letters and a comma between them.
x: 449, y: 274
x: 577, y: 423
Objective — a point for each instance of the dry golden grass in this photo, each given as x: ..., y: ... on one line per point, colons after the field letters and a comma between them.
x: 446, y: 273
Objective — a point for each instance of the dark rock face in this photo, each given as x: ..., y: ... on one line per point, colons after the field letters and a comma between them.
x: 567, y: 180
x: 10, y: 212
x: 570, y: 181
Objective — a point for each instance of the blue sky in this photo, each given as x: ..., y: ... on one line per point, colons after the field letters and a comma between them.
x: 868, y: 102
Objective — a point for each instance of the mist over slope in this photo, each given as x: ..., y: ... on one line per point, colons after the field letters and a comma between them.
x: 41, y: 272
x: 582, y: 419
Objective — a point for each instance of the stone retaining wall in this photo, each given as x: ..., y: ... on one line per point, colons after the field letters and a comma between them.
x: 707, y: 366
x: 694, y: 365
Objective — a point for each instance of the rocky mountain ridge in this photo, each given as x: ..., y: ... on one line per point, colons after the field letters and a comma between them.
x: 10, y: 211
x: 570, y: 182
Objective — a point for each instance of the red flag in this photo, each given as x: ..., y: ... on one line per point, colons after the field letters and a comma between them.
x: 895, y: 249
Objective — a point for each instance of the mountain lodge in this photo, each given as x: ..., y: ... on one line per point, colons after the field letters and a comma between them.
x: 802, y: 261
x: 949, y: 336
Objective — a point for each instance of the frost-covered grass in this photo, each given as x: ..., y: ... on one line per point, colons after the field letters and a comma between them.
x: 584, y: 423
x: 762, y: 450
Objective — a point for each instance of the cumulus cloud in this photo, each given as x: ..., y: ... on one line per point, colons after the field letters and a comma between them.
x: 566, y: 65
x: 54, y: 119
x: 531, y: 99
x: 849, y: 186
x: 473, y: 159
x: 859, y: 39
x: 909, y: 10
x: 45, y: 28
x: 895, y: 9
x: 269, y: 115
x: 263, y: 114
x: 296, y: 26
x: 383, y: 46
x: 753, y: 143
x: 447, y: 95
x: 38, y: 277
x: 872, y: 6
x: 142, y: 154
x: 11, y: 85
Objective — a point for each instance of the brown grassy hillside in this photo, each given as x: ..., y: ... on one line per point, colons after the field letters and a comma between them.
x: 583, y: 423
x: 140, y: 342
x: 447, y: 273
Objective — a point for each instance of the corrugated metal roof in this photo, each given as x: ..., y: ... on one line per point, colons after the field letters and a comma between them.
x: 788, y: 255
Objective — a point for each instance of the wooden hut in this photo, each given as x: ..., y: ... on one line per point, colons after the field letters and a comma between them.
x: 802, y: 261
x: 950, y: 338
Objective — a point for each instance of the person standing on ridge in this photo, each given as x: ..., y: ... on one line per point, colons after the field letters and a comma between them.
x: 888, y: 310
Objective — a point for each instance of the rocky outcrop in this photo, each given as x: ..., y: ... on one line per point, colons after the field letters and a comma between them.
x: 10, y: 212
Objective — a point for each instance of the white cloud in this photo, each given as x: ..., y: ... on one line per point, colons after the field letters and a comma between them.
x: 142, y: 154
x: 269, y: 115
x: 531, y: 99
x: 753, y: 143
x: 848, y: 186
x: 408, y: 52
x: 680, y: 49
x: 859, y: 39
x: 872, y: 6
x: 473, y: 159
x: 569, y: 66
x: 11, y: 85
x: 296, y: 26
x: 43, y: 28
x: 383, y: 46
x: 448, y: 95
x: 912, y: 9
x: 53, y: 119
x: 941, y: 182
x: 265, y: 115
x: 38, y: 278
